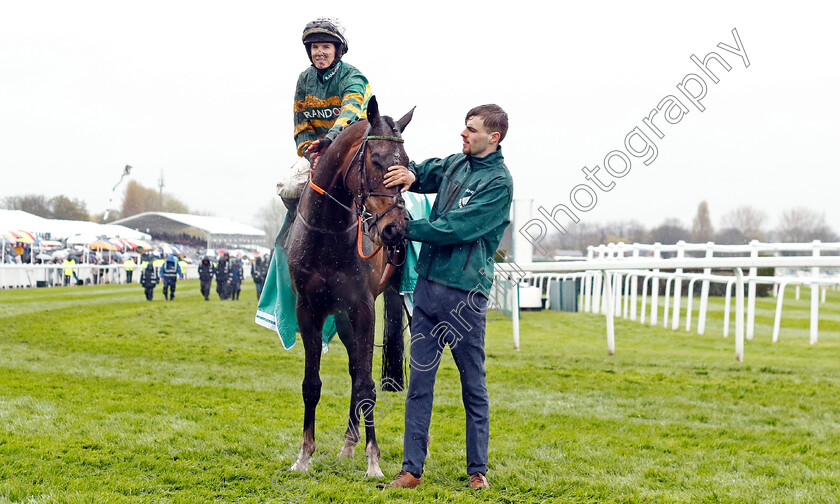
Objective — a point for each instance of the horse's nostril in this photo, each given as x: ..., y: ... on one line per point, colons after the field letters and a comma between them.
x: 392, y: 234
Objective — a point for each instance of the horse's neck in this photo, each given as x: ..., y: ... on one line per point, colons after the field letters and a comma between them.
x: 325, y: 211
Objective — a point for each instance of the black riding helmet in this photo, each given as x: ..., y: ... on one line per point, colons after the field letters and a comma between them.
x: 325, y: 30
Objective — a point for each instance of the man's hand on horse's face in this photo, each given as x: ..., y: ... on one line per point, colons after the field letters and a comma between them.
x: 399, y: 175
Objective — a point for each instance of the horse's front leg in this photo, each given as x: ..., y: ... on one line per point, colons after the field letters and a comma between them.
x: 364, y: 388
x: 310, y: 329
x: 348, y: 338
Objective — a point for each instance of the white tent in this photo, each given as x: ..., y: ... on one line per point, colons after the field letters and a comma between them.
x: 215, y: 230
x: 13, y: 220
x: 56, y: 229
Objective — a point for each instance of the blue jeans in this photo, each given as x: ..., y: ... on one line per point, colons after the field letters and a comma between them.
x: 446, y: 316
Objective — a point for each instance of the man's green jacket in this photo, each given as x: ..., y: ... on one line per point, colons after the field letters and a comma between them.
x: 471, y: 211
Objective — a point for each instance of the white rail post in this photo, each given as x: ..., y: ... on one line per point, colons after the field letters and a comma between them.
x: 584, y: 292
x: 612, y: 254
x: 610, y: 315
x: 597, y: 287
x: 688, y: 304
x: 739, y: 315
x: 590, y: 281
x: 704, y: 293
x: 654, y: 286
x: 515, y: 312
x: 815, y: 301
x: 751, y: 294
x: 675, y: 323
x: 634, y: 286
x: 644, y: 298
x: 727, y: 308
x: 623, y: 307
x: 780, y: 298
x: 617, y: 300
x: 667, y: 302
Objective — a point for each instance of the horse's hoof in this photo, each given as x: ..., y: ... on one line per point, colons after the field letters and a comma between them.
x: 346, y: 453
x: 300, y: 466
x: 375, y: 472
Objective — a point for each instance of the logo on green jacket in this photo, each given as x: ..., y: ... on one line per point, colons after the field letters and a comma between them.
x: 322, y: 113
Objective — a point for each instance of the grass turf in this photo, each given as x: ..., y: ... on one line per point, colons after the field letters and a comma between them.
x: 105, y: 397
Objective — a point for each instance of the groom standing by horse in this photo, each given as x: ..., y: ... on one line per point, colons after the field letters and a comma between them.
x: 472, y: 209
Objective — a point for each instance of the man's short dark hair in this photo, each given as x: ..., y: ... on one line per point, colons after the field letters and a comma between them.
x: 495, y: 119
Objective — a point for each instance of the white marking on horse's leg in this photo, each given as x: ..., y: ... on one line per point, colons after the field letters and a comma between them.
x: 348, y: 450
x: 373, y: 469
x: 307, y: 448
x: 302, y: 462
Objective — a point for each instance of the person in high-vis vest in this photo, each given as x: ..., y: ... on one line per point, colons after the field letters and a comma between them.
x: 183, y: 265
x: 69, y: 269
x: 129, y: 265
x: 170, y: 271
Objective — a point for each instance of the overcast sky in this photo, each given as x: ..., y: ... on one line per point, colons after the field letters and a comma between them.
x: 201, y: 92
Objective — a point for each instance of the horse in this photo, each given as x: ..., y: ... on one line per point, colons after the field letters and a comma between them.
x: 344, y: 212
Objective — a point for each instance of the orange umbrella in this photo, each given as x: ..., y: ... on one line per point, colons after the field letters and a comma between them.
x: 102, y: 245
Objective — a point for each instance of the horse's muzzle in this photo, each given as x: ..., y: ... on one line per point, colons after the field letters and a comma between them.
x: 393, y: 234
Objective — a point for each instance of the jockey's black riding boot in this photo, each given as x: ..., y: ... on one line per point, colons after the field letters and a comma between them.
x: 291, y: 206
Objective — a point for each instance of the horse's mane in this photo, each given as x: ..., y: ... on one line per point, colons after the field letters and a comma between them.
x: 333, y: 159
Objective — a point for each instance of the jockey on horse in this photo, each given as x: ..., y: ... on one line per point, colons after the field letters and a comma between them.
x: 330, y: 94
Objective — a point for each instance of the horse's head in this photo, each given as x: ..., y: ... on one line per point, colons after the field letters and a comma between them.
x: 384, y: 208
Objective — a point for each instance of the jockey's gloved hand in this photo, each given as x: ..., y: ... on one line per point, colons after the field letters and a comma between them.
x: 323, y: 144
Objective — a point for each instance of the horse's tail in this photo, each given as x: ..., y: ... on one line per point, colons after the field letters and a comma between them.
x: 393, y: 349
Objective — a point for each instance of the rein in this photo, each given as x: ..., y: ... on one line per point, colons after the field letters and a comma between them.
x: 364, y: 194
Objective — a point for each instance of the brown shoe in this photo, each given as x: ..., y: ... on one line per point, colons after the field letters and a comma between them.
x: 403, y: 480
x: 477, y: 480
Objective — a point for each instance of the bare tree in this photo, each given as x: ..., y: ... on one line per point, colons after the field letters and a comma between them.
x: 57, y: 207
x: 270, y: 219
x: 730, y: 236
x: 802, y: 224
x: 36, y: 204
x: 670, y: 232
x: 702, y: 229
x: 746, y: 219
x: 578, y: 237
x: 627, y: 231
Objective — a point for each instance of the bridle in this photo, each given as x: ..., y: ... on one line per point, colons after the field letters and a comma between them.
x: 364, y: 218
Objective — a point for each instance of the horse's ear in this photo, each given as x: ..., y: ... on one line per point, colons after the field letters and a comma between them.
x: 373, y: 111
x: 404, y: 120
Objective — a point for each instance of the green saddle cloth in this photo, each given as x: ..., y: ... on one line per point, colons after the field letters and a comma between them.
x: 276, y: 309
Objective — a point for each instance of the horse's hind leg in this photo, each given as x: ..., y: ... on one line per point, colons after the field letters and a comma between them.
x: 310, y: 329
x: 348, y: 337
x: 393, y: 347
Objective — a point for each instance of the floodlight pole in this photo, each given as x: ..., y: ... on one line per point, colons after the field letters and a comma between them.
x: 126, y: 171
